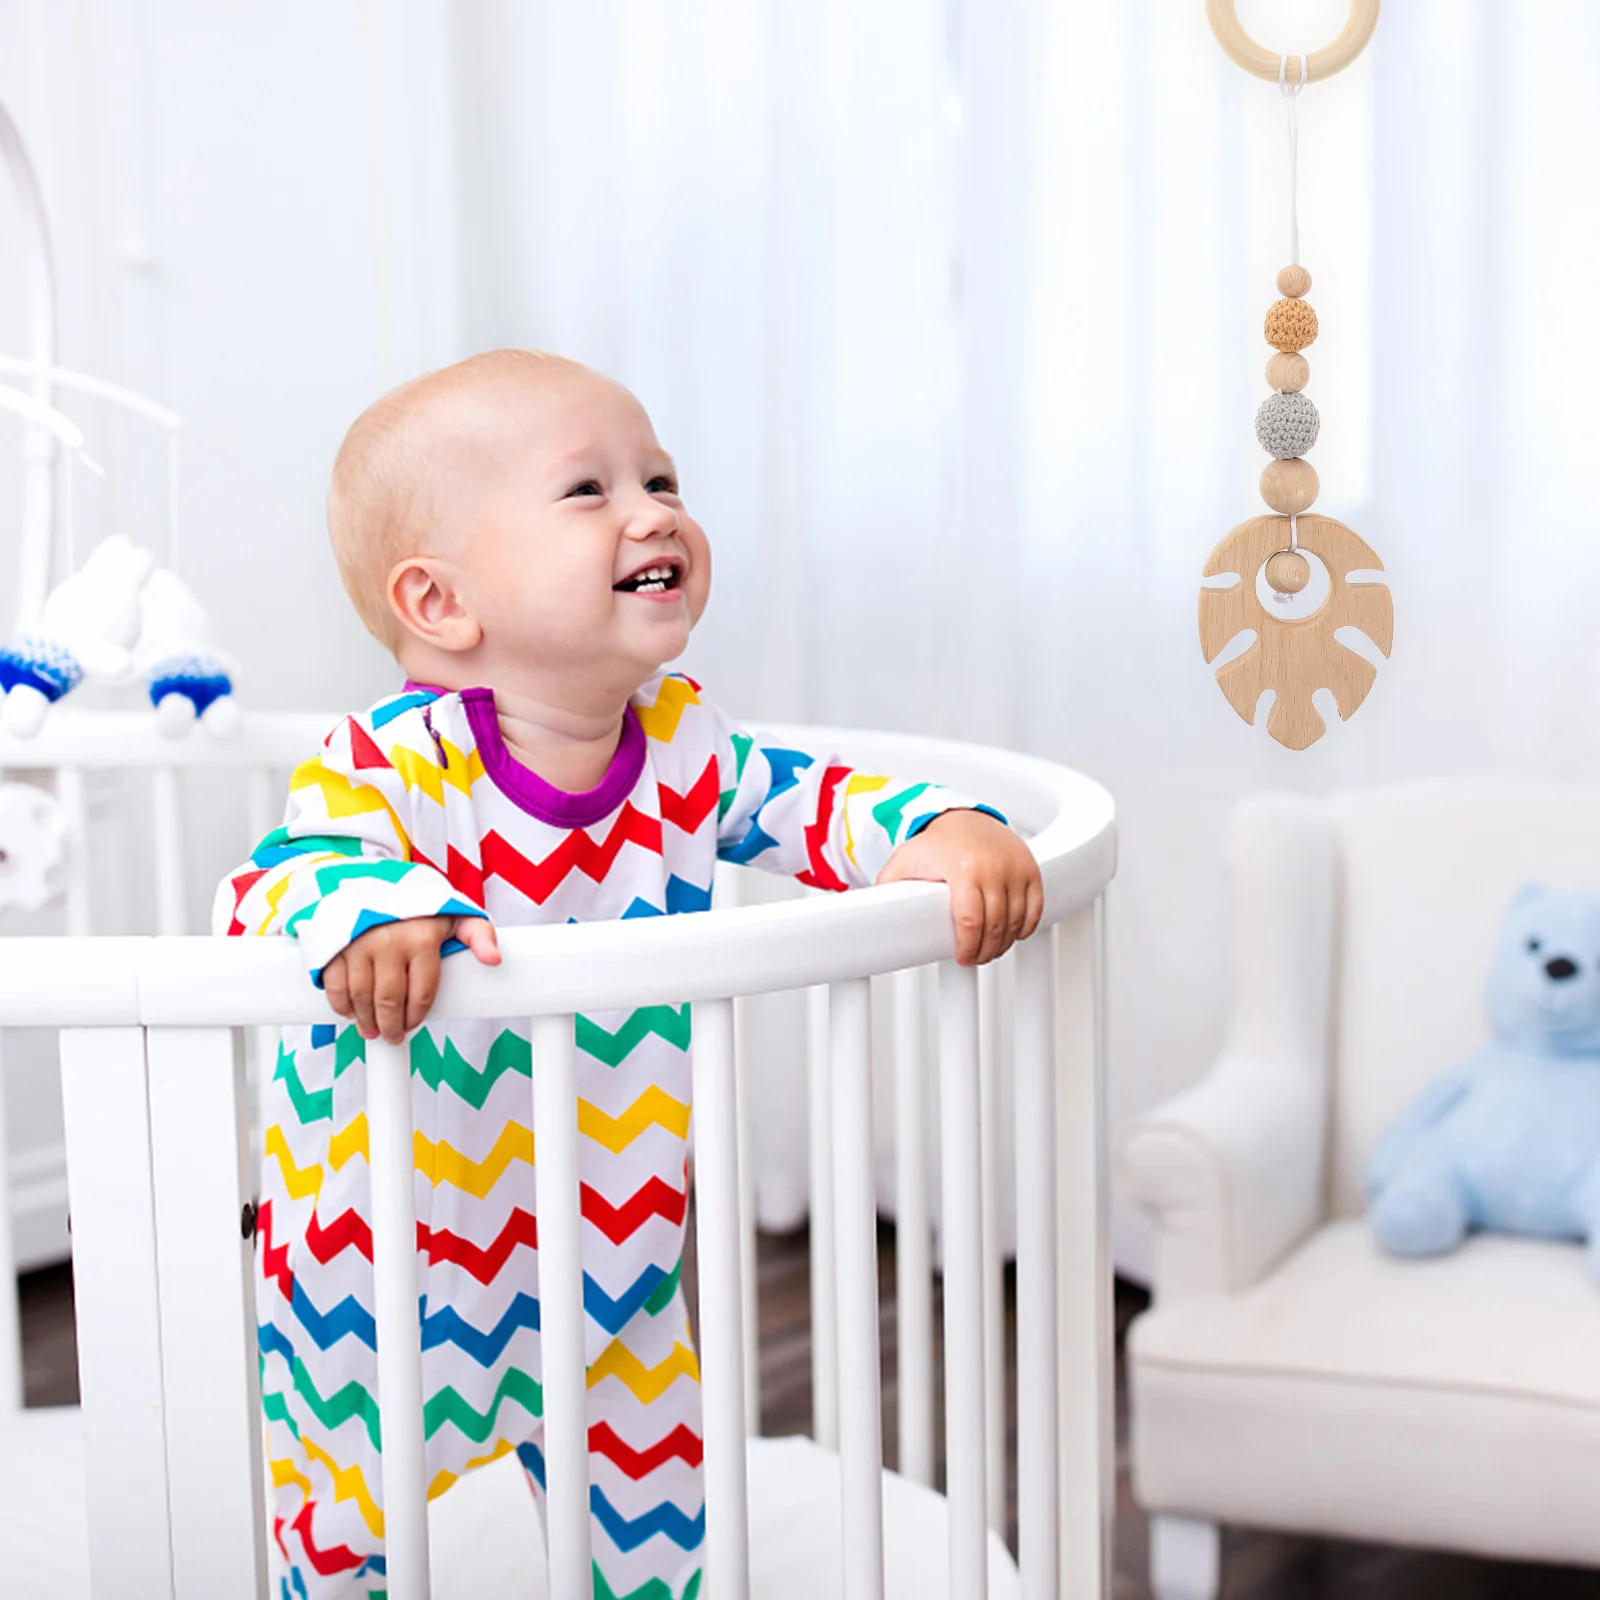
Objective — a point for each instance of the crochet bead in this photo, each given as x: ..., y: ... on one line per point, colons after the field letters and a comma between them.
x: 1288, y: 571
x: 1289, y: 487
x: 1290, y: 325
x: 1294, y: 281
x: 1287, y: 425
x: 1288, y: 372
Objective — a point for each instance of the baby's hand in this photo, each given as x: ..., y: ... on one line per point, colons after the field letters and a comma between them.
x: 996, y: 894
x: 387, y: 979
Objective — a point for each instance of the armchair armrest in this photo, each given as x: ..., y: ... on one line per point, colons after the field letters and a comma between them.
x: 1232, y: 1171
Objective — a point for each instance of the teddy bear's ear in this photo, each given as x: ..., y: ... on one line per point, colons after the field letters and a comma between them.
x: 1528, y: 894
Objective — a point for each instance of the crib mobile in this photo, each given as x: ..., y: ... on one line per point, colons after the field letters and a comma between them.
x: 1293, y: 656
x: 117, y: 618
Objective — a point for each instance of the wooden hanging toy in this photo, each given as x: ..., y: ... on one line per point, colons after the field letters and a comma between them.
x: 1293, y: 656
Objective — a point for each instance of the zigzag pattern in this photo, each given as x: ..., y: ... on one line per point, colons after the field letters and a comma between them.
x: 682, y: 1443
x: 448, y: 1068
x: 645, y: 1384
x: 441, y: 1162
x: 348, y: 1484
x: 577, y: 852
x: 653, y: 1589
x: 448, y: 1326
x: 335, y: 1559
x: 447, y: 1406
x: 687, y: 811
x: 655, y: 1107
x: 619, y: 1223
x: 671, y: 1023
x: 484, y: 1263
x: 660, y: 720
x: 822, y: 875
x: 626, y: 1533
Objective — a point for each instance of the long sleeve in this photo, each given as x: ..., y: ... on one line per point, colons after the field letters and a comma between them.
x: 816, y: 820
x: 344, y: 860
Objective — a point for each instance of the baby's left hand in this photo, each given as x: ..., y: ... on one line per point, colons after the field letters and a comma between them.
x: 996, y: 894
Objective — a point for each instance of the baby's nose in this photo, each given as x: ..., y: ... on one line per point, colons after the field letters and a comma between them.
x: 1560, y: 968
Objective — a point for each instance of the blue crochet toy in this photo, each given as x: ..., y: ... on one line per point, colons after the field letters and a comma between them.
x: 1511, y: 1139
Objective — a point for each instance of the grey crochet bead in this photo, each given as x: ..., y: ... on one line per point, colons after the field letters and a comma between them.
x: 1287, y: 425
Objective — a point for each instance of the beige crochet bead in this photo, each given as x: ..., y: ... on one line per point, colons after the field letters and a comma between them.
x: 1294, y: 281
x: 1288, y: 372
x: 1290, y: 486
x: 1288, y: 571
x: 1291, y: 324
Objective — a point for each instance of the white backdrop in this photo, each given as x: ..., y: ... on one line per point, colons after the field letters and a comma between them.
x: 951, y: 314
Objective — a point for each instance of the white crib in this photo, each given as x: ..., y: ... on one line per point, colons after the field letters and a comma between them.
x: 153, y: 1047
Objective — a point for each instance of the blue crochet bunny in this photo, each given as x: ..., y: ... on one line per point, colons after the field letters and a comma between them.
x: 1511, y: 1139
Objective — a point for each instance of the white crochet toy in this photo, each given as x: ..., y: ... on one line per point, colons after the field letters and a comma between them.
x: 188, y: 678
x: 114, y: 618
x: 87, y: 626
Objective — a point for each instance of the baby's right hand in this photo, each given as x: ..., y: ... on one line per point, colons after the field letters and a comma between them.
x: 387, y: 979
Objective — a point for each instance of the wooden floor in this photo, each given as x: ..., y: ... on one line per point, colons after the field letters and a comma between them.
x: 1256, y: 1566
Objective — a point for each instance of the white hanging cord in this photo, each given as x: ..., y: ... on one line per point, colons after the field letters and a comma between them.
x: 1291, y: 93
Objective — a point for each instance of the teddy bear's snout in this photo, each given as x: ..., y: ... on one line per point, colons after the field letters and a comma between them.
x: 1561, y: 969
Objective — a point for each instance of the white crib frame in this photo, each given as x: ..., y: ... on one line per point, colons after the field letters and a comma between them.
x: 160, y: 1169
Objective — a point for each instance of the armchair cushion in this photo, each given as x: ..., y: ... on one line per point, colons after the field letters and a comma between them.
x: 1453, y: 1402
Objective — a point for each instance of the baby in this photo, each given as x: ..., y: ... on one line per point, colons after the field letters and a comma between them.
x: 510, y: 528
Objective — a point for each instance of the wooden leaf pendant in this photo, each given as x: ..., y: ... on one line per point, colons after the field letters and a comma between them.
x: 1294, y: 656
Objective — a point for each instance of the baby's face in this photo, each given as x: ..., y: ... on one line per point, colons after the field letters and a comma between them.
x: 580, y: 559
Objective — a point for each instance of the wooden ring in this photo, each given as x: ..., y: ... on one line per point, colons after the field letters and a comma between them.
x: 1331, y: 58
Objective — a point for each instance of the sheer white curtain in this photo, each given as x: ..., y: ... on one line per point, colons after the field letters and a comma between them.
x: 950, y: 310
x: 952, y: 314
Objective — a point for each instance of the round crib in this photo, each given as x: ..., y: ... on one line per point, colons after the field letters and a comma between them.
x: 154, y: 1039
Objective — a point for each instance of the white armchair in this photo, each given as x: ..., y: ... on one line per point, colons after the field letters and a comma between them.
x: 1289, y: 1375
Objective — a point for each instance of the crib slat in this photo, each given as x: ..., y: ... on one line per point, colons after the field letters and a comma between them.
x: 856, y: 1265
x: 1033, y: 1056
x: 394, y: 1284
x: 994, y: 1261
x: 10, y: 1308
x: 69, y: 791
x: 203, y: 1180
x: 913, y: 1254
x: 1083, y: 1283
x: 105, y: 1107
x: 960, y: 1122
x: 747, y: 1225
x: 824, y: 1309
x: 561, y: 1320
x: 719, y: 1235
x: 167, y: 817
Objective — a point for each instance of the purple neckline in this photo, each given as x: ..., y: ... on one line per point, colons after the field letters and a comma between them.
x: 525, y: 788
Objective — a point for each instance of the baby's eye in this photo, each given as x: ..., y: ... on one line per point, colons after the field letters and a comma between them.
x: 1533, y: 947
x: 588, y: 486
x: 661, y: 484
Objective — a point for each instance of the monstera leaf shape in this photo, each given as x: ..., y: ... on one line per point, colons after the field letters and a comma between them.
x: 1294, y: 656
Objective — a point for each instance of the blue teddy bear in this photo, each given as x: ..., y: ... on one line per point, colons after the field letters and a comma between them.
x: 1511, y: 1139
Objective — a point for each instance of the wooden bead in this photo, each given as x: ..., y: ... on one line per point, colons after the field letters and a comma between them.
x: 1288, y: 572
x: 1289, y: 372
x: 1294, y: 281
x: 1289, y: 487
x: 1290, y: 325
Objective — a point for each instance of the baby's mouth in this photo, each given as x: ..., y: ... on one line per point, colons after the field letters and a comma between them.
x: 658, y: 579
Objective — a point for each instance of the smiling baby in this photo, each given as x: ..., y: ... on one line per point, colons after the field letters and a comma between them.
x: 513, y: 532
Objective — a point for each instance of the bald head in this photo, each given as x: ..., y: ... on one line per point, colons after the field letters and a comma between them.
x: 402, y: 479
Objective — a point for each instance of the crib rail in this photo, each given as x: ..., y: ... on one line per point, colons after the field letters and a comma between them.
x: 160, y: 1176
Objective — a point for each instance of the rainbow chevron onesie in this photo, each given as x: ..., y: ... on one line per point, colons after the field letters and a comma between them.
x: 416, y: 808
